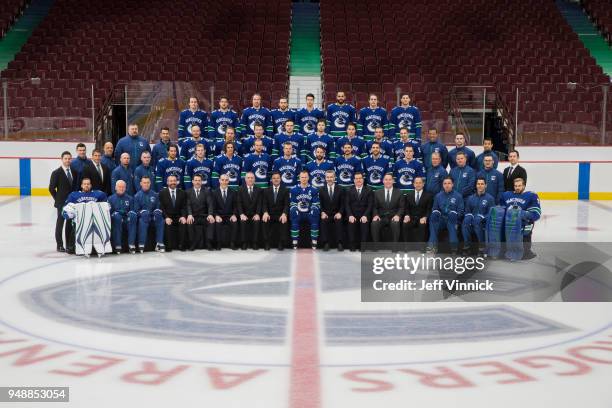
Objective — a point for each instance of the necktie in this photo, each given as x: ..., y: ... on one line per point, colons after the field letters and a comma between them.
x: 224, y: 195
x: 275, y: 194
x: 197, y: 193
x: 69, y: 175
x: 510, y: 172
x: 331, y: 192
x: 100, y: 172
x: 250, y: 192
x: 173, y: 198
x: 418, y: 197
x: 358, y: 192
x: 388, y: 196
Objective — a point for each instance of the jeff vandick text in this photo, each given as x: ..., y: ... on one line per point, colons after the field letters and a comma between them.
x: 434, y: 285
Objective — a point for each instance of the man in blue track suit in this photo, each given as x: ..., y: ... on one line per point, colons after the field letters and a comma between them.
x: 133, y: 145
x: 477, y: 208
x: 494, y: 178
x: 146, y: 206
x: 431, y: 146
x: 122, y: 215
x: 145, y: 169
x: 123, y: 172
x: 446, y: 212
x: 464, y: 177
x: 304, y: 206
x: 435, y: 175
x: 461, y: 147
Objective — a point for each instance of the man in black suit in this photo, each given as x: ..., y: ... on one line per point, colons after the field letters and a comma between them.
x: 275, y: 212
x: 173, y: 203
x: 513, y: 171
x: 225, y: 211
x: 98, y: 173
x: 62, y: 183
x: 200, y: 219
x: 388, y: 210
x: 249, y: 211
x: 418, y: 205
x: 331, y: 196
x: 359, y: 200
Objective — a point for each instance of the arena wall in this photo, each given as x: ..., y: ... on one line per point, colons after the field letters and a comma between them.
x: 554, y: 172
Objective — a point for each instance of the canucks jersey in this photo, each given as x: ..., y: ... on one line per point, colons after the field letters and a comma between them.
x: 279, y: 117
x: 248, y: 145
x: 218, y: 149
x: 306, y: 121
x: 375, y: 169
x: 386, y: 147
x: 369, y: 120
x: 167, y: 167
x: 260, y: 165
x: 76, y: 197
x: 404, y: 173
x: 434, y: 177
x: 250, y: 117
x: 187, y: 119
x: 223, y: 164
x: 315, y: 140
x: 317, y: 170
x: 189, y: 145
x: 338, y: 117
x: 303, y: 199
x: 346, y: 167
x: 296, y: 140
x: 289, y: 170
x: 527, y: 201
x: 359, y: 146
x: 400, y: 145
x: 220, y: 121
x: 409, y: 118
x: 203, y: 168
x: 464, y: 180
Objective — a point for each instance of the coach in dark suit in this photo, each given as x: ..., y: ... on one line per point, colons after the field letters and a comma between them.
x: 388, y: 210
x: 250, y: 198
x: 358, y: 200
x: 173, y: 203
x: 98, y: 173
x: 275, y: 213
x: 225, y: 211
x: 331, y: 197
x: 200, y: 219
x: 513, y: 171
x: 61, y: 184
x: 418, y: 205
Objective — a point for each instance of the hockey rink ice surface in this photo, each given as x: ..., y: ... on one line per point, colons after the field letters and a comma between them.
x: 270, y: 329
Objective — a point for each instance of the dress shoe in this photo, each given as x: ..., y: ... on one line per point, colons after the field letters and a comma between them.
x: 245, y: 246
x: 233, y: 247
x: 340, y: 247
x: 267, y: 246
x: 61, y: 248
x: 209, y: 247
x: 281, y: 247
x: 325, y: 248
x: 255, y: 247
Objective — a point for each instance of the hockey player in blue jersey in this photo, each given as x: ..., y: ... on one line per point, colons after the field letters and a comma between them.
x: 359, y: 145
x: 230, y: 136
x: 86, y: 194
x: 316, y: 168
x: 123, y: 217
x: 258, y: 163
x: 347, y: 165
x: 198, y: 164
x: 339, y: 115
x: 288, y: 166
x: 304, y: 206
x: 171, y: 165
x: 160, y: 149
x: 405, y: 116
x: 319, y: 139
x: 188, y: 149
x: 447, y: 210
x: 267, y: 142
x: 144, y: 170
x: 529, y: 204
x: 281, y: 115
x: 228, y: 163
x: 494, y: 179
x: 477, y: 208
x: 221, y: 119
x: 146, y: 207
x: 435, y: 175
x: 461, y: 147
x: 386, y: 147
x: 433, y: 145
x: 487, y: 145
x: 370, y: 118
x: 133, y: 145
x: 375, y: 166
x: 464, y: 177
x: 255, y: 114
x: 406, y: 170
x: 403, y: 141
x: 289, y: 136
x: 306, y: 118
x: 189, y: 117
x: 123, y: 172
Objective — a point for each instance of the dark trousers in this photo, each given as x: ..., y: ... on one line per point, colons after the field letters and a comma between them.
x: 274, y: 228
x: 249, y: 231
x: 59, y: 231
x: 175, y: 235
x: 329, y: 224
x: 358, y: 232
x: 221, y: 230
x: 200, y: 232
x: 415, y: 231
x: 377, y: 227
